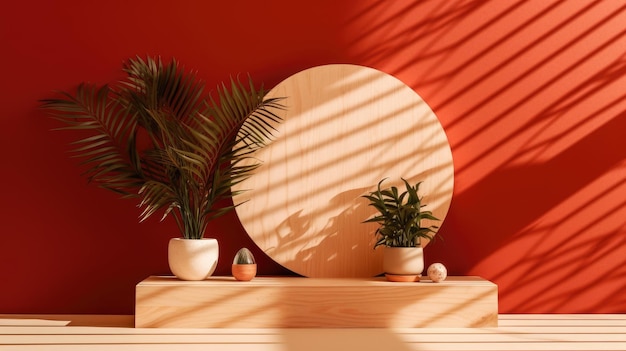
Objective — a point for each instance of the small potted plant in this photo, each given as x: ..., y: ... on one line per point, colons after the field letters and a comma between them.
x: 244, y: 265
x: 400, y: 217
x: 158, y: 137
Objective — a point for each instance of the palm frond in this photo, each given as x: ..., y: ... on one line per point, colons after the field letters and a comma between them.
x: 92, y: 110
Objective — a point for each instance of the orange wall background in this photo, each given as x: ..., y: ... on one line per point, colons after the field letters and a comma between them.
x: 531, y: 95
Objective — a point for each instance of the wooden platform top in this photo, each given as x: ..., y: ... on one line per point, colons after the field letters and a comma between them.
x: 314, y: 282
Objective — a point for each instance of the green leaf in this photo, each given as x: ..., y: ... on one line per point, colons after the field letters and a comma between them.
x: 400, y: 216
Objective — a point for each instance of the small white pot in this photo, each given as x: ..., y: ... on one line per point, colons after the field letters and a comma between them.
x: 193, y: 259
x: 403, y: 260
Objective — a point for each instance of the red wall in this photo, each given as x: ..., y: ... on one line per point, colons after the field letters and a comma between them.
x: 530, y: 93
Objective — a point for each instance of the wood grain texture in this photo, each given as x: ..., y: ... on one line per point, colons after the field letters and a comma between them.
x: 287, y: 302
x: 515, y: 332
x: 345, y: 128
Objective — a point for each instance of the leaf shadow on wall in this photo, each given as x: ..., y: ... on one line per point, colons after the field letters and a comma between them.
x: 501, y: 208
x: 542, y: 224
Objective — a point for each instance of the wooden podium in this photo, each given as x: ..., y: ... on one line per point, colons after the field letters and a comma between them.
x: 293, y: 302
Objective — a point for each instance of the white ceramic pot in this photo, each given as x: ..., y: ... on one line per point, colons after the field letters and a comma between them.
x: 403, y: 260
x: 193, y: 259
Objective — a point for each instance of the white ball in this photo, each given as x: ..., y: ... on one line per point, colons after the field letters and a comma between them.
x: 437, y: 272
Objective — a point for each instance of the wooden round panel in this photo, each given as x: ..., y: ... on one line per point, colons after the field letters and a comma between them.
x: 346, y: 127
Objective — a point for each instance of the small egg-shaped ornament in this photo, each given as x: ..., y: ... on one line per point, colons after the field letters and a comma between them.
x: 437, y: 272
x: 244, y: 265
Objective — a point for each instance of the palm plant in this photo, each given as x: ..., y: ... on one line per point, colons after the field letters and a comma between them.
x: 156, y: 136
x: 400, y: 216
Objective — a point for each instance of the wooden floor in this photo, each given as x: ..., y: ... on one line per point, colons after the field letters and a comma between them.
x: 515, y: 332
